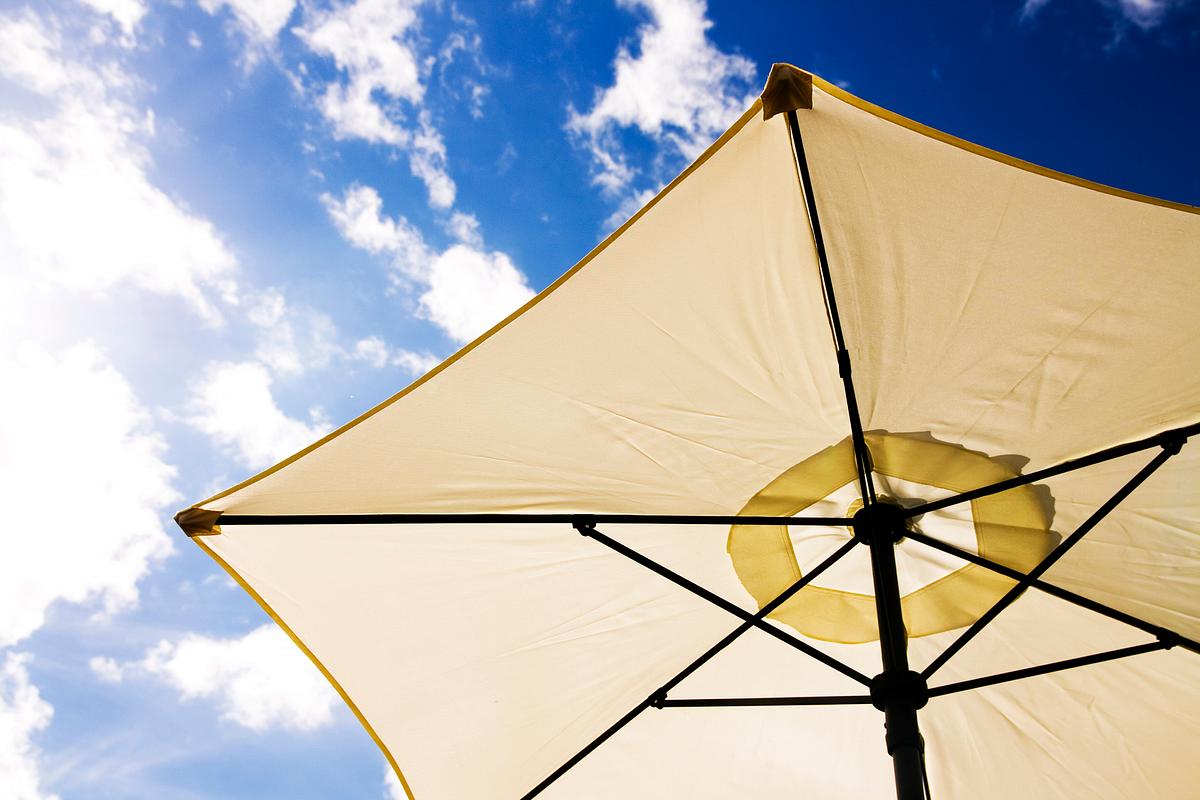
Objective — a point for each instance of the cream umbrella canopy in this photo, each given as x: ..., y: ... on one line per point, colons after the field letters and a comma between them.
x: 845, y: 376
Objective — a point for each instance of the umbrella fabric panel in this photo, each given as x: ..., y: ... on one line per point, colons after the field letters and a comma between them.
x: 484, y: 657
x: 996, y: 307
x: 815, y: 753
x: 1144, y: 557
x: 1123, y: 729
x: 684, y: 365
x: 1027, y: 317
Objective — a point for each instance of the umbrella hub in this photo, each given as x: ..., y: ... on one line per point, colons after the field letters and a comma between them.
x: 884, y: 519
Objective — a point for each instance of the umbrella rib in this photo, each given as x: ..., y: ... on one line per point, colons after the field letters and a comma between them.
x: 739, y: 702
x: 592, y: 745
x: 658, y: 699
x: 1163, y: 439
x: 862, y: 456
x: 509, y: 519
x: 1054, y: 666
x: 1057, y: 591
x: 1170, y: 448
x: 754, y: 619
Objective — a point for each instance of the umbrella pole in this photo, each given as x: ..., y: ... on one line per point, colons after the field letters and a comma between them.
x: 897, y: 691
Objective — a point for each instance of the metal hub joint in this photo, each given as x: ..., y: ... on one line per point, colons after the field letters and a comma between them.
x: 880, y: 520
x: 906, y: 688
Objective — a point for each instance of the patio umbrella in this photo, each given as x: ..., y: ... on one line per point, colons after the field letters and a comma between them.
x: 854, y: 423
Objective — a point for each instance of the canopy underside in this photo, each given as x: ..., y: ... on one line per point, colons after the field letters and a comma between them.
x: 999, y: 318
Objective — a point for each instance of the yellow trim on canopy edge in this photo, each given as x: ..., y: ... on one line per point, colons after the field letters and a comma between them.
x: 987, y: 152
x: 311, y: 657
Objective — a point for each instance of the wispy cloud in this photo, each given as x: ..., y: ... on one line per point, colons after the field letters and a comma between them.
x: 234, y: 405
x: 74, y: 438
x: 674, y: 87
x: 467, y: 288
x: 392, y: 785
x: 125, y: 13
x: 23, y: 713
x: 381, y: 85
x: 260, y: 681
x: 260, y: 21
x: 1144, y: 14
x: 83, y: 168
x: 376, y: 352
x: 291, y: 339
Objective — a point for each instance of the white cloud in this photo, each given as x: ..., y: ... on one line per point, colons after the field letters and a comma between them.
x: 260, y: 680
x: 29, y: 56
x: 395, y: 790
x: 368, y: 41
x: 77, y: 207
x: 470, y: 43
x: 477, y: 92
x: 415, y: 363
x: 372, y: 350
x: 470, y: 290
x: 375, y: 351
x: 126, y: 13
x: 23, y: 713
x: 466, y: 288
x: 106, y: 669
x: 1145, y: 14
x: 372, y: 44
x: 428, y: 162
x: 259, y: 20
x: 630, y: 204
x: 233, y: 404
x: 294, y: 339
x: 355, y: 115
x: 678, y: 89
x: 291, y: 339
x: 358, y: 215
x: 465, y: 228
x: 86, y: 482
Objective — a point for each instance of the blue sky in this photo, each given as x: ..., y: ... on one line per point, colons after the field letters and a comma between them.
x: 229, y: 225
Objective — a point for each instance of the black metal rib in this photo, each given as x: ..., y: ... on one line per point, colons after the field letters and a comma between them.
x: 1057, y: 591
x: 1164, y: 439
x: 759, y: 616
x: 736, y: 702
x: 658, y: 698
x: 586, y: 751
x: 862, y: 457
x: 1052, y: 558
x: 551, y: 518
x: 722, y: 603
x: 1045, y: 669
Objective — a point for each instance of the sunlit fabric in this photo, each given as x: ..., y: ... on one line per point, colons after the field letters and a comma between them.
x: 1000, y: 318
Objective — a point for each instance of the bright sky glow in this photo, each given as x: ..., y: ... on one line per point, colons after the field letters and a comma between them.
x: 227, y: 226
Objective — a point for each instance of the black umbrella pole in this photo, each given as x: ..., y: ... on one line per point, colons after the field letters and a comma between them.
x: 897, y: 691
